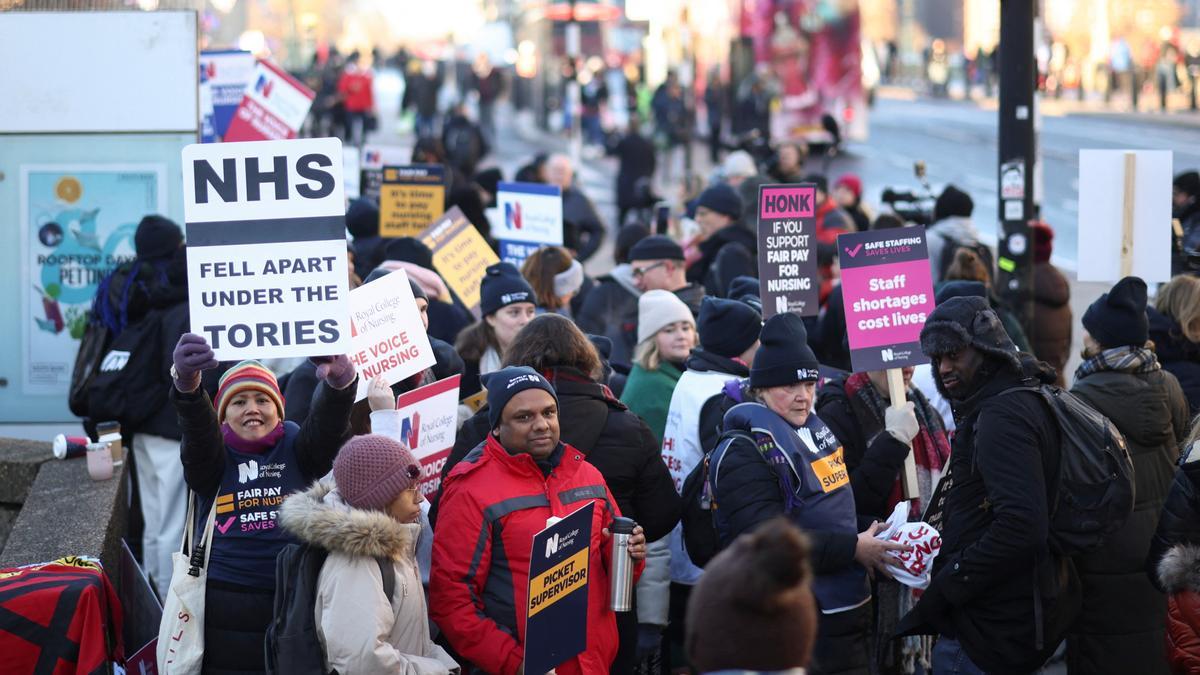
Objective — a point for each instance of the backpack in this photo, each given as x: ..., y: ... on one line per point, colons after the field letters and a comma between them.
x: 130, y: 384
x: 92, y: 347
x: 1094, y: 491
x: 700, y: 536
x: 952, y: 247
x: 292, y: 646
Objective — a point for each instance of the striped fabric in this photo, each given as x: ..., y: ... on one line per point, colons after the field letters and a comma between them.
x: 245, y: 376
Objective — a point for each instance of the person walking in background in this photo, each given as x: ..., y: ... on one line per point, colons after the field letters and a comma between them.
x: 636, y: 162
x: 716, y: 102
x: 356, y: 89
x: 666, y: 335
x: 1051, y: 341
x: 421, y: 87
x: 1121, y: 627
x: 578, y: 209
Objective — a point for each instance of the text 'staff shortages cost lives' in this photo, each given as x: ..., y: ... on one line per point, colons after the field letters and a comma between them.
x: 267, y: 267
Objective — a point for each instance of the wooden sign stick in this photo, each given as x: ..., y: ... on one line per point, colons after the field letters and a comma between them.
x: 908, y: 480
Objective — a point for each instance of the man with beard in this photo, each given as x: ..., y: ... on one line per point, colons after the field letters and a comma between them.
x: 1000, y: 600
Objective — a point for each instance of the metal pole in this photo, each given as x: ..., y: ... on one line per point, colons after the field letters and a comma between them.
x: 1018, y: 157
x: 573, y: 96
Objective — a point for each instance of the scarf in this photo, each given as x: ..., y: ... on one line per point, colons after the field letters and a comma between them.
x: 1127, y: 359
x: 251, y: 447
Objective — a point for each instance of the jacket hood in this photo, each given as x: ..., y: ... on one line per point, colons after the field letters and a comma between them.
x: 1169, y: 342
x: 623, y: 275
x: 1050, y: 287
x: 707, y: 362
x: 318, y: 516
x: 1179, y: 570
x: 1137, y: 403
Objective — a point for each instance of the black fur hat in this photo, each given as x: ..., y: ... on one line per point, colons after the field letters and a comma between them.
x: 968, y: 321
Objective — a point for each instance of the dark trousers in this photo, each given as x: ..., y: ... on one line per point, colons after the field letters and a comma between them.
x: 235, y: 628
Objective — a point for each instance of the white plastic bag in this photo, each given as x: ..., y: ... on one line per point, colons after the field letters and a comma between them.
x: 924, y: 540
x: 180, y: 647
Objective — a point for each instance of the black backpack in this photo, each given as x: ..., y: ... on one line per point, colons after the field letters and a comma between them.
x: 699, y: 503
x: 130, y: 384
x: 94, y: 344
x: 292, y: 646
x: 953, y: 246
x: 1094, y: 491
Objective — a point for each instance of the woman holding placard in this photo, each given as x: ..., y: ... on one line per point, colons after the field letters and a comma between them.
x: 507, y: 303
x: 241, y: 459
x: 666, y: 336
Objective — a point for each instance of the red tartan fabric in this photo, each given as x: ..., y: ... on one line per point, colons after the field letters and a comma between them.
x: 58, y: 619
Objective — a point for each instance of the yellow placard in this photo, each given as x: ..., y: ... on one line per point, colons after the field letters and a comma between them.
x: 831, y: 471
x: 460, y: 255
x: 558, y: 582
x: 410, y: 198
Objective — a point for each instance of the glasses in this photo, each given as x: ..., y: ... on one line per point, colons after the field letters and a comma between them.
x: 639, y: 272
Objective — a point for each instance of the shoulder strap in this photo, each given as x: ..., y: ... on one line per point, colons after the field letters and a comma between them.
x: 388, y: 571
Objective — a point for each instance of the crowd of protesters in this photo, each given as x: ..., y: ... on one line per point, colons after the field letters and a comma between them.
x: 614, y: 390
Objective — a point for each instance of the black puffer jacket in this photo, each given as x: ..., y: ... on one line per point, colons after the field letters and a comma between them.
x: 615, y: 441
x: 873, y: 462
x: 1179, y: 522
x: 729, y: 253
x: 995, y: 532
x: 611, y: 309
x: 1121, y: 627
x: 1177, y: 354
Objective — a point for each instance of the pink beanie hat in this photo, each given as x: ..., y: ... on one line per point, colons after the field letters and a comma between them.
x: 372, y: 470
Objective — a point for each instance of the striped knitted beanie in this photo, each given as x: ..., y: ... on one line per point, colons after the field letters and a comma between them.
x: 247, y: 376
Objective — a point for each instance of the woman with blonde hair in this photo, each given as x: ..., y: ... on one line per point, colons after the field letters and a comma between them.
x: 556, y: 278
x: 1175, y: 331
x: 666, y: 336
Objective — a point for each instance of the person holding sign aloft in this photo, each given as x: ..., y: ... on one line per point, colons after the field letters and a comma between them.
x: 239, y: 452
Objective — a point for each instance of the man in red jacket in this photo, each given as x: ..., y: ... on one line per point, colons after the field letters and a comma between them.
x: 493, y: 503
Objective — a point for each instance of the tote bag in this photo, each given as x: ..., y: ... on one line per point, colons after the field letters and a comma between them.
x: 181, y: 633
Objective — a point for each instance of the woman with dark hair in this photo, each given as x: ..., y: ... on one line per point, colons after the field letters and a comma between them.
x: 507, y: 304
x: 555, y: 277
x: 616, y: 441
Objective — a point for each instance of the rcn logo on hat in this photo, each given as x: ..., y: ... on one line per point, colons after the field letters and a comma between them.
x: 510, y: 298
x: 522, y: 378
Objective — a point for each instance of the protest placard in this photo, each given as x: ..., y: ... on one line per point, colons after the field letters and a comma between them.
x: 225, y: 74
x: 1125, y: 209
x: 428, y: 424
x: 274, y: 106
x: 267, y: 267
x: 887, y: 291
x: 410, y: 199
x: 787, y: 258
x: 532, y: 215
x: 387, y: 335
x: 460, y: 255
x: 556, y: 613
x: 374, y: 158
x: 351, y: 171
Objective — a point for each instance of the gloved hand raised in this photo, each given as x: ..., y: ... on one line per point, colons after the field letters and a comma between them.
x: 901, y: 422
x: 337, y: 371
x: 191, y: 356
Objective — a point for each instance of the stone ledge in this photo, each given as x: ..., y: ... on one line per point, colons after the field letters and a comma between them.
x: 19, y: 463
x: 68, y: 513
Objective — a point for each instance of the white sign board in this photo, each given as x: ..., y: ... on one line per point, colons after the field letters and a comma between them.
x: 1101, y: 209
x: 267, y: 267
x: 532, y: 213
x: 387, y: 335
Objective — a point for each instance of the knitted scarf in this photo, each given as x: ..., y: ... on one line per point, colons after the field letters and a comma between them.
x: 250, y: 446
x: 1127, y: 359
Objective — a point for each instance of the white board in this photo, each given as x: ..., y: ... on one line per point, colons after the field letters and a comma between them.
x: 1101, y: 202
x: 69, y: 72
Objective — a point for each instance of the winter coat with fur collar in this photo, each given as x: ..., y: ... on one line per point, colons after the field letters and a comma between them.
x: 360, y: 630
x: 1179, y: 573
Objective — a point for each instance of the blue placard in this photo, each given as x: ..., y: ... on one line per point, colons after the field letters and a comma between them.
x: 226, y: 72
x: 516, y: 252
x: 556, y: 609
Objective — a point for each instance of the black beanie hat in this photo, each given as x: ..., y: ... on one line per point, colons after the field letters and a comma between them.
x: 362, y: 219
x: 959, y: 288
x: 506, y: 383
x: 746, y: 289
x: 409, y: 250
x: 784, y: 356
x: 1188, y: 182
x: 1118, y: 318
x: 968, y: 321
x: 156, y: 237
x: 627, y: 237
x: 727, y: 327
x: 953, y: 202
x: 503, y: 285
x: 656, y: 247
x: 722, y: 199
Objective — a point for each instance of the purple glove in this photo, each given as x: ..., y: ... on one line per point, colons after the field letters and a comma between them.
x: 337, y: 371
x: 192, y: 355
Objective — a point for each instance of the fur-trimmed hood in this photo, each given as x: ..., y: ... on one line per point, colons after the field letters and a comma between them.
x: 1179, y: 569
x: 318, y: 516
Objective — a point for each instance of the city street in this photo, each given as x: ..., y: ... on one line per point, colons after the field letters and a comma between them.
x: 957, y: 141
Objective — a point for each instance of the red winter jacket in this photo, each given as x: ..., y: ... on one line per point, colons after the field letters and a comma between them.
x: 478, y: 594
x: 1179, y: 574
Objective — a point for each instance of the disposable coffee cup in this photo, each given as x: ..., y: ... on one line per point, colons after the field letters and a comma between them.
x: 110, y: 432
x: 99, y: 461
x: 69, y: 447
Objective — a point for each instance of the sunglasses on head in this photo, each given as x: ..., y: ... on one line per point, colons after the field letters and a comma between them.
x: 413, y: 471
